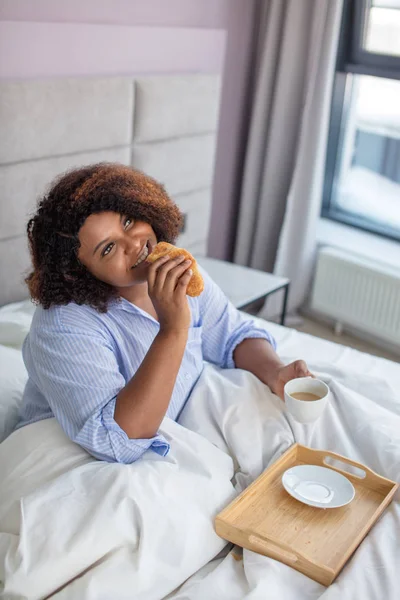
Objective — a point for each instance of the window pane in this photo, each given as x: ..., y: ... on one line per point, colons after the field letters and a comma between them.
x: 382, y: 34
x: 367, y: 177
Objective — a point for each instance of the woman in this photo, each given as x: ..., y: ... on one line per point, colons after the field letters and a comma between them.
x: 115, y: 343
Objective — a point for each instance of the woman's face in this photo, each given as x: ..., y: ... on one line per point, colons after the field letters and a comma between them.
x: 114, y: 247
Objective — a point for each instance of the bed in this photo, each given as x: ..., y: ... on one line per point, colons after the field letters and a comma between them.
x: 73, y: 527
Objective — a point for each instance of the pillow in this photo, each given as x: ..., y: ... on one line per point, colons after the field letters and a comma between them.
x: 15, y: 322
x: 13, y: 377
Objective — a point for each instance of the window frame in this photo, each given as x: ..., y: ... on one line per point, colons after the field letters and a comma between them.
x: 352, y: 59
x: 362, y: 61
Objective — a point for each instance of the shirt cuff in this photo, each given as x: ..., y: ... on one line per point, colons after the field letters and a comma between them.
x: 127, y: 450
x: 253, y: 333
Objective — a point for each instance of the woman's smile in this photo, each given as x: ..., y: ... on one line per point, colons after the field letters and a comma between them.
x: 145, y: 251
x: 142, y: 256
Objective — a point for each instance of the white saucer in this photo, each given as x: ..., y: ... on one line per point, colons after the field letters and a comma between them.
x: 318, y: 486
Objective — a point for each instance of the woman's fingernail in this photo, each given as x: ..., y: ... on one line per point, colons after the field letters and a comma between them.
x: 188, y: 262
x: 190, y: 272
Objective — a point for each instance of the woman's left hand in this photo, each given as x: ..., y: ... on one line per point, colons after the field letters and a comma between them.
x: 283, y: 374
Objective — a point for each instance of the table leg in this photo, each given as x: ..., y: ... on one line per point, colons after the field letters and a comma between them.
x: 285, y: 299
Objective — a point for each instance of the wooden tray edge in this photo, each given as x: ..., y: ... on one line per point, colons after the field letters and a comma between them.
x: 371, y: 480
x: 278, y: 551
x: 292, y: 450
x: 368, y: 526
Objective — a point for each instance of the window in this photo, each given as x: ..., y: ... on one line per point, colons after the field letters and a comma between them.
x: 362, y: 183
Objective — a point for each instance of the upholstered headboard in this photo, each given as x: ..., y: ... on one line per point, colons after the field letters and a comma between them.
x: 163, y: 125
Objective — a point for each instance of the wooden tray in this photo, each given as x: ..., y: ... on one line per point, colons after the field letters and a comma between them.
x: 314, y: 541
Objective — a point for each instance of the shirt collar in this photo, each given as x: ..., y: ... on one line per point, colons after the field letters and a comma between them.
x: 127, y: 306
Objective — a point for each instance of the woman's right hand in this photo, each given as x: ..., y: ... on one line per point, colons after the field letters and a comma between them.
x: 168, y: 279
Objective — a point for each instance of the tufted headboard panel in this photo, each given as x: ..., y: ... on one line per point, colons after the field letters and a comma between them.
x: 163, y: 125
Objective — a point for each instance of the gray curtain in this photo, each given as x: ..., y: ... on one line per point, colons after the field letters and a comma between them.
x: 281, y: 191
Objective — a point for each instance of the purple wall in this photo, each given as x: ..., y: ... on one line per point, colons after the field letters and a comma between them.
x: 167, y: 13
x: 84, y: 49
x: 142, y: 36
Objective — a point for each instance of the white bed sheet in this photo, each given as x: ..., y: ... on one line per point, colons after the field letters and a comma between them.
x: 72, y: 527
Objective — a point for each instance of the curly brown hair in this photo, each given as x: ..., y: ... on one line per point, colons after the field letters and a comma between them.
x: 58, y: 277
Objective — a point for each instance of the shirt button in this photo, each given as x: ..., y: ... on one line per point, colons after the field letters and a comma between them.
x: 187, y: 376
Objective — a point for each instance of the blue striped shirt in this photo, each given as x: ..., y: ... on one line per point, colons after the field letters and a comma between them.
x: 79, y: 359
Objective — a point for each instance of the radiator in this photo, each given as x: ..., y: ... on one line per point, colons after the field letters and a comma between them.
x: 358, y: 292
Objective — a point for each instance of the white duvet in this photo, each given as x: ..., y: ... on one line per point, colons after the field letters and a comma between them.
x: 75, y: 528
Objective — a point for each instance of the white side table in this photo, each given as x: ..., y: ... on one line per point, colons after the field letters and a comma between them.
x: 243, y: 285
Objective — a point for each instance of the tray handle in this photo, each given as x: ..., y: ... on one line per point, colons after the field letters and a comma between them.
x: 370, y: 477
x: 284, y: 553
x: 275, y: 549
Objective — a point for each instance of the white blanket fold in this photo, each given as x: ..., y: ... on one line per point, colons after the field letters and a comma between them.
x: 72, y: 527
x: 146, y: 526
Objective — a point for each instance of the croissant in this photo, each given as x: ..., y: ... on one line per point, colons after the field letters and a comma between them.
x: 196, y: 283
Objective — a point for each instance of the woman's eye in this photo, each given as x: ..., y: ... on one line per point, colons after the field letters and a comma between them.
x: 128, y: 222
x: 107, y: 249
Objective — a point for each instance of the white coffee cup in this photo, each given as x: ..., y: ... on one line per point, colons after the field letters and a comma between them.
x: 306, y: 411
